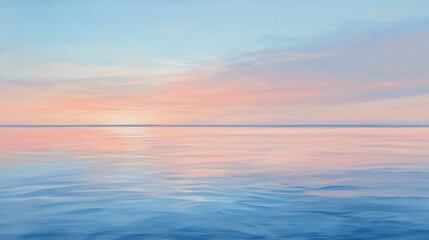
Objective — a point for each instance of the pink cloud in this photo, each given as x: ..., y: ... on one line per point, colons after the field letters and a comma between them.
x: 364, y: 80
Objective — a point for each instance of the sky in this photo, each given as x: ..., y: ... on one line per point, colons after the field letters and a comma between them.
x: 214, y: 62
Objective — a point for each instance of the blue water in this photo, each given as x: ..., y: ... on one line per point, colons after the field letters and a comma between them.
x: 214, y: 183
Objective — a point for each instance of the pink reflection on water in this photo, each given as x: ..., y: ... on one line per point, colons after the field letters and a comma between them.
x: 196, y: 152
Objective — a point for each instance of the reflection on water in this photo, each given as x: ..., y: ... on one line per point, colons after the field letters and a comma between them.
x: 214, y: 183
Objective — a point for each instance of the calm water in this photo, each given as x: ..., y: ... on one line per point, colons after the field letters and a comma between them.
x: 214, y: 183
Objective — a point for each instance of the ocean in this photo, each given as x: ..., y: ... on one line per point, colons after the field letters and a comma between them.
x: 201, y: 182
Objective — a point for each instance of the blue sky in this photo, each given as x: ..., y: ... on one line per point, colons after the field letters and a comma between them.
x: 105, y: 32
x: 223, y: 61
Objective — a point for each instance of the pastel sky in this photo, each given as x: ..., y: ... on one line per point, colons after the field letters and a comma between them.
x: 214, y: 62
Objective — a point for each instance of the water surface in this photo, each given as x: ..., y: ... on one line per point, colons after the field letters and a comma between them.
x: 214, y: 183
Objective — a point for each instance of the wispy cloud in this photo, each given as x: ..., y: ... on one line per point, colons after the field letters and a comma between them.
x: 363, y: 74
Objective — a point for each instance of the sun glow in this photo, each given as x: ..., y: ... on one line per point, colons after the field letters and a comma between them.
x: 124, y: 118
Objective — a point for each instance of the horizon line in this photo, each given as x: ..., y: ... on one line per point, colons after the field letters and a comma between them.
x: 220, y: 125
